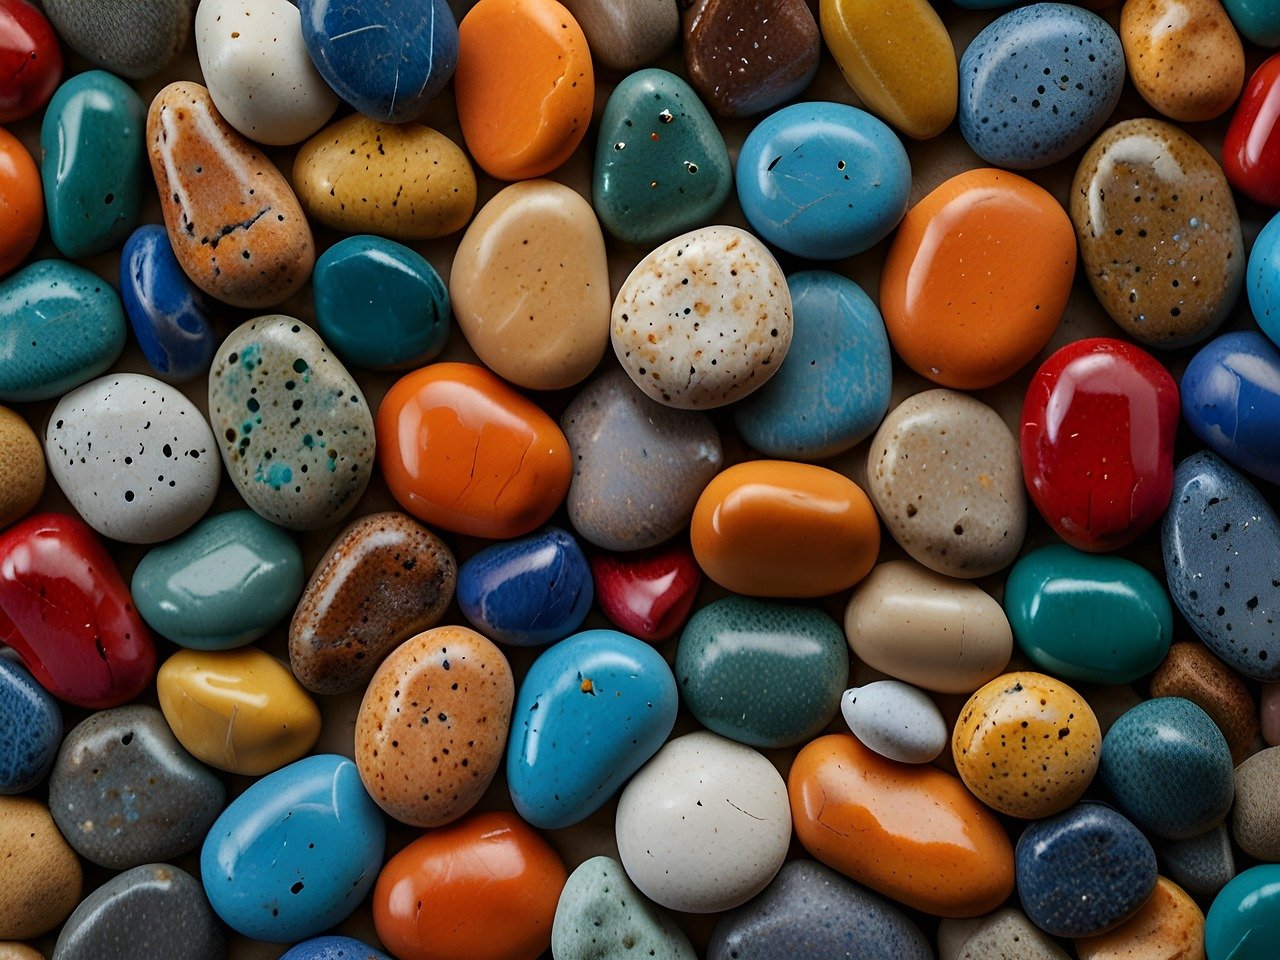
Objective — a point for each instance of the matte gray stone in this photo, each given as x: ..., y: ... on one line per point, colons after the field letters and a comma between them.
x: 131, y: 38
x: 1004, y: 935
x: 1202, y: 865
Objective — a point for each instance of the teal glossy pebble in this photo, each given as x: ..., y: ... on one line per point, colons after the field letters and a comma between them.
x: 661, y: 164
x: 832, y: 390
x: 95, y: 163
x: 823, y: 180
x: 1088, y: 616
x: 763, y: 673
x: 222, y: 584
x: 379, y: 304
x: 60, y: 326
x: 1244, y: 921
x: 1257, y: 20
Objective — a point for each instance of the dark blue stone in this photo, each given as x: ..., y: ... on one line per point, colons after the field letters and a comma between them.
x: 30, y: 729
x: 334, y: 948
x: 387, y: 58
x: 169, y: 314
x: 1084, y: 871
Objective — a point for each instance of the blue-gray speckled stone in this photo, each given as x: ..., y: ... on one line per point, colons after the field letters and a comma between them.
x: 30, y: 729
x: 1201, y: 865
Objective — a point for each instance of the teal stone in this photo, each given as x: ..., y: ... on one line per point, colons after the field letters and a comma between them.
x: 95, y: 163
x: 1244, y: 921
x: 764, y: 673
x: 379, y: 304
x: 222, y: 584
x: 1257, y: 20
x: 661, y: 165
x: 1087, y: 616
x: 60, y: 326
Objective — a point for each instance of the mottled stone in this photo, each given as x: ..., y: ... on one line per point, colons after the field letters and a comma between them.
x: 30, y: 729
x: 1169, y: 927
x: 602, y: 916
x: 1184, y: 56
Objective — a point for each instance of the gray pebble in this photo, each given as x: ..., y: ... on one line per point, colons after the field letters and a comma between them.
x: 131, y: 38
x: 896, y: 721
x: 1255, y: 819
x: 630, y: 35
x: 1201, y: 865
x: 1004, y: 935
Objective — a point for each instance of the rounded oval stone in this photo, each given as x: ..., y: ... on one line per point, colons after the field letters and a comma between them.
x: 764, y: 674
x: 895, y: 720
x: 118, y: 35
x: 1190, y: 671
x: 1244, y: 921
x: 30, y: 729
x: 22, y: 468
x: 600, y: 908
x: 1257, y: 20
x: 1202, y: 864
x: 383, y: 580
x: 624, y: 37
x: 333, y: 948
x: 125, y: 793
x: 1006, y: 934
x: 1261, y: 282
x: 1143, y: 190
x: 432, y: 725
x: 703, y: 320
x: 649, y: 594
x: 22, y: 196
x: 31, y: 61
x: 42, y: 875
x: 1255, y: 820
x: 1251, y: 147
x: 1184, y: 56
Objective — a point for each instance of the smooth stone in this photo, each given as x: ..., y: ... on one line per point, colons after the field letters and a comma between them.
x: 1258, y: 20
x: 129, y: 39
x: 31, y: 60
x: 896, y: 720
x: 1271, y: 713
x: 527, y: 592
x: 601, y: 915
x: 1218, y: 538
x: 222, y: 584
x: 62, y: 326
x: 1255, y: 821
x: 94, y: 163
x: 738, y: 339
x: 383, y: 579
x: 648, y: 594
x: 387, y: 58
x: 30, y: 729
x: 22, y: 468
x: 238, y: 710
x: 1004, y: 935
x: 235, y: 224
x: 661, y: 165
x: 638, y: 466
x: 380, y: 304
x: 22, y: 197
x: 591, y: 712
x: 258, y: 71
x: 125, y: 793
x: 136, y: 482
x: 1184, y: 56
x: 267, y: 888
x: 432, y: 725
x: 908, y: 831
x: 1202, y: 864
x: 764, y: 674
x: 1190, y: 671
x: 1084, y: 871
x: 1251, y: 147
x: 1264, y: 301
x: 1244, y: 921
x: 1145, y: 188
x: 13, y: 950
x: 1231, y: 400
x: 333, y: 948
x: 1164, y: 748
x: 42, y: 875
x: 1084, y: 617
x: 530, y: 286
x: 624, y: 37
x: 169, y: 314
x: 155, y: 910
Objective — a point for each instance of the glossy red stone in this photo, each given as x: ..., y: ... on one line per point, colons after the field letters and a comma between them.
x: 1251, y: 150
x: 66, y: 610
x: 648, y: 595
x: 1098, y: 425
x: 30, y: 60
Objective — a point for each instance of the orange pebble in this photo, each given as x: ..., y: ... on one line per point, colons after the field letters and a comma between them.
x: 21, y: 202
x: 910, y: 832
x: 524, y: 86
x: 977, y: 278
x: 773, y: 528
x: 485, y: 888
x: 462, y: 450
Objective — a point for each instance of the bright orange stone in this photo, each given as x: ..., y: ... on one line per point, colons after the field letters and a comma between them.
x: 21, y: 202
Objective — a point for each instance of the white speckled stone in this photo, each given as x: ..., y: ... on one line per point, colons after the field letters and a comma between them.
x: 134, y: 456
x: 895, y: 720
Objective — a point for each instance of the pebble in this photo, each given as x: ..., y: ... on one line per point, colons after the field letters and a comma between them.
x: 445, y: 695
x: 383, y: 579
x: 773, y: 528
x: 1264, y: 293
x: 1143, y: 189
x: 21, y: 198
x: 22, y: 469
x: 222, y: 584
x: 1190, y: 671
x: 1251, y: 148
x: 1271, y: 713
x: 238, y: 710
x: 30, y: 729
x: 601, y: 913
x: 648, y: 594
x: 1258, y: 22
x: 528, y: 592
x: 638, y: 466
x: 765, y: 674
x: 18, y: 951
x: 32, y: 63
x: 1231, y: 400
x: 524, y: 86
x: 1164, y: 748
x: 125, y: 793
x: 235, y: 224
x: 1203, y: 864
x: 591, y: 712
x: 1244, y: 921
x: 131, y: 40
x: 294, y: 430
x: 1006, y: 934
x: 704, y: 826
x: 1184, y: 56
x: 977, y: 278
x: 896, y: 720
x: 333, y: 948
x: 42, y: 875
x: 266, y: 888
x: 530, y: 286
x: 1255, y: 821
x: 1015, y: 114
x: 908, y: 831
x: 136, y: 482
x: 624, y: 37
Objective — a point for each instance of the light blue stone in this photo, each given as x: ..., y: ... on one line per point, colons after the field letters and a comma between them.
x: 30, y: 729
x: 1262, y: 277
x: 1257, y: 20
x: 334, y: 948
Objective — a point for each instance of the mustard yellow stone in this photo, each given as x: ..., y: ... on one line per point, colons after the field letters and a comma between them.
x: 237, y: 710
x: 1169, y: 927
x: 22, y: 470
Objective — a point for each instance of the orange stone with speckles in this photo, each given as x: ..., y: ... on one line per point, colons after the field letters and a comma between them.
x: 21, y: 202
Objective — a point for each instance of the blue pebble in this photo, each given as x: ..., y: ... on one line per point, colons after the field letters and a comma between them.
x: 823, y: 180
x: 527, y: 592
x: 832, y: 390
x: 1262, y: 278
x: 334, y: 948
x: 1038, y: 83
x: 169, y: 314
x: 1257, y: 20
x: 590, y: 712
x: 296, y: 853
x: 387, y: 58
x: 30, y: 729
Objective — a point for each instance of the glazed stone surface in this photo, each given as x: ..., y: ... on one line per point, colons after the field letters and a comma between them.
x: 600, y: 908
x: 1244, y: 921
x: 130, y: 39
x: 30, y: 729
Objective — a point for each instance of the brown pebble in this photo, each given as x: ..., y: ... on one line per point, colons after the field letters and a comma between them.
x: 1190, y: 671
x: 22, y: 470
x: 1271, y: 714
x: 41, y: 876
x: 1255, y: 819
x: 1169, y: 927
x: 19, y: 951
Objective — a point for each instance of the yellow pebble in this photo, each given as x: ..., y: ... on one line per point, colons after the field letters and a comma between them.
x: 1184, y: 56
x: 22, y: 468
x: 40, y: 876
x: 1169, y: 927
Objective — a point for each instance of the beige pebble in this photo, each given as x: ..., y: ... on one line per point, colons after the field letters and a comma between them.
x: 1004, y: 935
x: 1169, y: 927
x: 22, y: 469
x: 1255, y: 819
x: 19, y: 951
x: 40, y: 876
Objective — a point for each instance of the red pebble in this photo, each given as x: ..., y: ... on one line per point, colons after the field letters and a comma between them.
x: 1097, y: 442
x: 648, y: 595
x: 1251, y: 150
x: 30, y: 60
x: 66, y: 610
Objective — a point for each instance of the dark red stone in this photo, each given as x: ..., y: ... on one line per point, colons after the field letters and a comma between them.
x: 648, y: 595
x: 1251, y: 150
x: 30, y: 60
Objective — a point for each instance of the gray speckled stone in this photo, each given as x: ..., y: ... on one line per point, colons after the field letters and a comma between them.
x: 1202, y: 865
x: 1255, y: 819
x: 127, y: 37
x: 627, y: 36
x: 1004, y: 935
x: 124, y: 791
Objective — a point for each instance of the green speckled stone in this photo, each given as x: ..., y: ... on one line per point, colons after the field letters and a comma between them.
x: 763, y: 673
x: 602, y: 916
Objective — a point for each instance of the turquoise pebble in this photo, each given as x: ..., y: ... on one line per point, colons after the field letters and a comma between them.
x: 1257, y: 20
x: 1262, y: 278
x: 1244, y: 921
